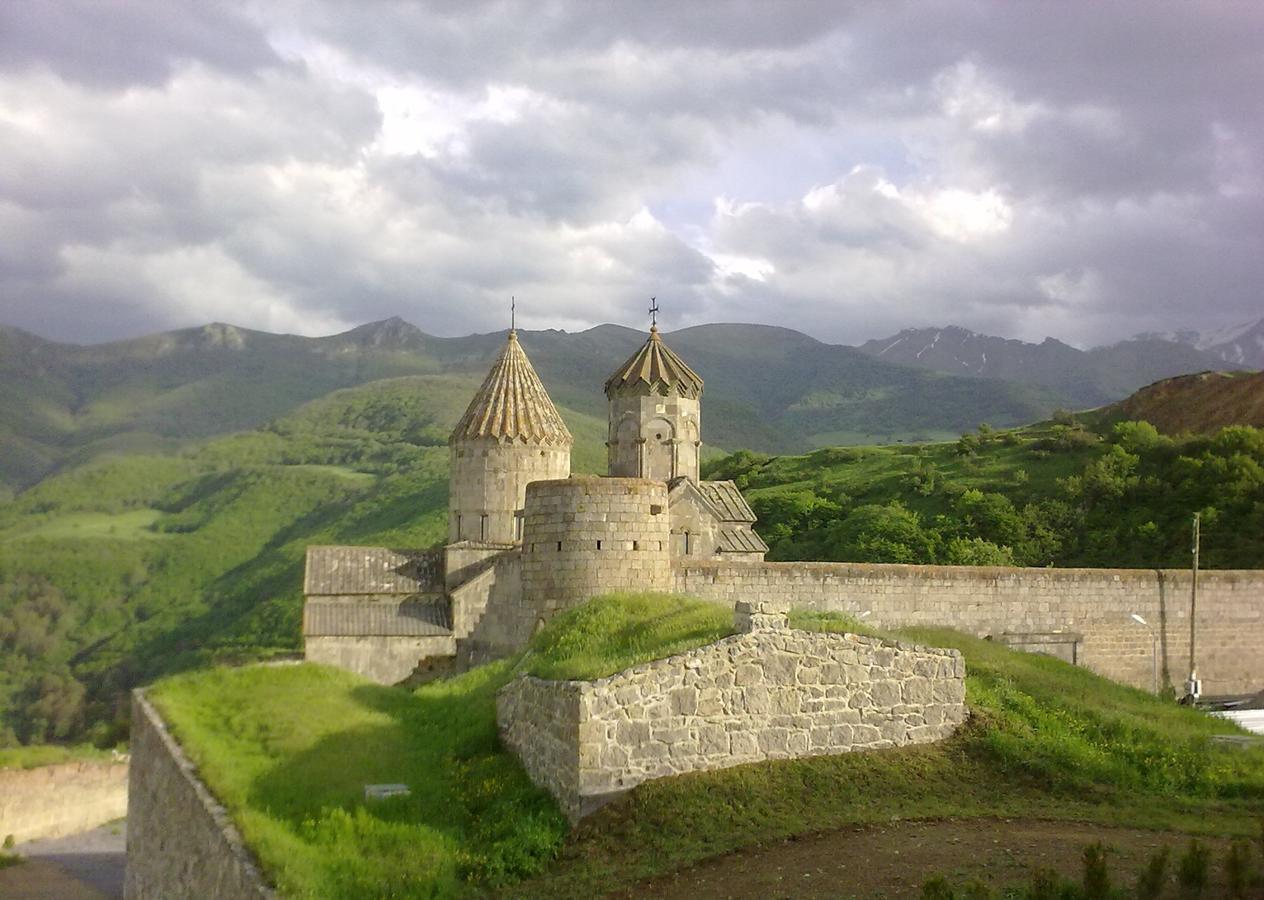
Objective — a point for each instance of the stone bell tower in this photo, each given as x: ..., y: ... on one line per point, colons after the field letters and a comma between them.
x: 510, y: 436
x: 655, y: 415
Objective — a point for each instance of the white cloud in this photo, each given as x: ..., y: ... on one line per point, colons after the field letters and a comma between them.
x: 846, y: 170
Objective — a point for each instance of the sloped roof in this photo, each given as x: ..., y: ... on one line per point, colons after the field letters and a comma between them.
x: 655, y: 365
x: 728, y: 500
x: 345, y: 571
x: 512, y: 405
x: 740, y: 540
x: 370, y: 618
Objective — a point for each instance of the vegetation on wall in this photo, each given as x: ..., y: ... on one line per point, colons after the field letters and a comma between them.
x: 1058, y: 494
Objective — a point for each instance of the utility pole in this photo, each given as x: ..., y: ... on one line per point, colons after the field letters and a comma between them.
x: 1192, y: 687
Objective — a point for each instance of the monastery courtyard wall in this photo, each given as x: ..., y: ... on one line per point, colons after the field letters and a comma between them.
x: 1083, y: 615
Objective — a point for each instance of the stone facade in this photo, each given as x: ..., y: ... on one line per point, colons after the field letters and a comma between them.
x: 654, y: 436
x: 770, y: 693
x: 588, y: 536
x: 52, y: 801
x: 180, y: 840
x: 1081, y: 615
x: 386, y: 659
x: 488, y: 482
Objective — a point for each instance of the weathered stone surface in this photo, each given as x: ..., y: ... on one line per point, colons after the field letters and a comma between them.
x: 1082, y: 615
x: 52, y: 801
x: 741, y: 699
x: 180, y: 840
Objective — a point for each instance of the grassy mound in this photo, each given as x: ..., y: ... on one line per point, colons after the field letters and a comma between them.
x: 289, y: 749
x: 621, y: 631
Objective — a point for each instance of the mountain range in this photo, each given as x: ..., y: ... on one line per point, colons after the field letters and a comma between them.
x: 1084, y: 378
x: 767, y: 388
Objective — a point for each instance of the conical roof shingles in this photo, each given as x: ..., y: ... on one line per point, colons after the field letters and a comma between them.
x: 656, y: 364
x: 512, y: 405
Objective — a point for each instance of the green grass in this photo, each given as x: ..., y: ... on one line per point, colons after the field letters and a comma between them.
x: 621, y: 631
x: 289, y: 749
x: 132, y: 525
x: 36, y: 755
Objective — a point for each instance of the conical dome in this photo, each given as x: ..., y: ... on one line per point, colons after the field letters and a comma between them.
x: 512, y: 405
x: 655, y: 365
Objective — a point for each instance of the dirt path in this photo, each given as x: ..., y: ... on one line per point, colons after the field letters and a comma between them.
x: 894, y: 861
x: 87, y: 866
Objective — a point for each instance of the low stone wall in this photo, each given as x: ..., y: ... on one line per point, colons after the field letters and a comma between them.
x: 384, y: 659
x: 53, y: 801
x: 1091, y: 608
x: 772, y: 693
x: 180, y: 840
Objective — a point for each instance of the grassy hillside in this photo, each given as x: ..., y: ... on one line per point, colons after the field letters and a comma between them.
x: 1057, y: 494
x: 1199, y: 404
x: 129, y: 567
x: 289, y: 749
x: 767, y: 388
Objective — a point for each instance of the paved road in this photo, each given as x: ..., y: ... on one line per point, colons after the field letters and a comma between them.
x: 87, y: 866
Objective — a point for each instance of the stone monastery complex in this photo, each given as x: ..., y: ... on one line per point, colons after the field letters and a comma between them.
x: 525, y: 538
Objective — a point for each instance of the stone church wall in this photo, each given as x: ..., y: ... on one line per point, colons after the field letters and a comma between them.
x: 772, y: 693
x: 386, y: 659
x: 1080, y: 613
x: 180, y: 841
x: 585, y: 536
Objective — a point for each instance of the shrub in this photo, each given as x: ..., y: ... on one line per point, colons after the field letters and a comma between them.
x: 1191, y: 870
x: 1239, y: 872
x: 1150, y: 881
x: 1096, y: 875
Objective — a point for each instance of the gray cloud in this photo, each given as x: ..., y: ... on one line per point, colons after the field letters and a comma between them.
x: 1087, y: 171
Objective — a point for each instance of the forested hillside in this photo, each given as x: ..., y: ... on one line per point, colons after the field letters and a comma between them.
x: 136, y: 565
x: 1059, y: 494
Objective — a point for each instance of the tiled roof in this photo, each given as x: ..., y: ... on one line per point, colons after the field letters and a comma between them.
x: 728, y: 500
x: 655, y: 365
x: 368, y: 618
x: 512, y: 405
x: 334, y: 571
x: 740, y: 540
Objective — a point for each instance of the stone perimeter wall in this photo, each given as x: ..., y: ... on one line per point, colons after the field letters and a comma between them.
x: 180, y: 841
x: 1095, y: 604
x: 52, y: 801
x: 768, y: 694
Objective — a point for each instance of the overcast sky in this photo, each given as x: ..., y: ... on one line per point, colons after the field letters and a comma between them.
x: 1085, y: 170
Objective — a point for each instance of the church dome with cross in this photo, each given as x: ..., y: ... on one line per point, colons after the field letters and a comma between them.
x: 654, y: 414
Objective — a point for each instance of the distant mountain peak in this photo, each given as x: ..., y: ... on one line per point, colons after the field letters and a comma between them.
x: 389, y: 334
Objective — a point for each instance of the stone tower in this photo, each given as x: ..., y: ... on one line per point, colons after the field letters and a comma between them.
x: 510, y: 436
x: 654, y: 415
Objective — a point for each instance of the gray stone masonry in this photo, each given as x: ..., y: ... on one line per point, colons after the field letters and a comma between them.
x: 1091, y: 607
x: 768, y: 693
x: 180, y: 841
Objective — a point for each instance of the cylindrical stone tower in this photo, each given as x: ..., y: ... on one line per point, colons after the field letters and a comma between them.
x: 585, y: 536
x: 655, y: 415
x: 510, y: 436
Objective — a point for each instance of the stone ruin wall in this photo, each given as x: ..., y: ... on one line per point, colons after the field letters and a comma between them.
x: 180, y: 840
x: 771, y: 693
x: 1091, y: 605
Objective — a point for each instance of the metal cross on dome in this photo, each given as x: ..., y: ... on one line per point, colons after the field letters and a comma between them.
x: 653, y: 312
x: 513, y: 313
